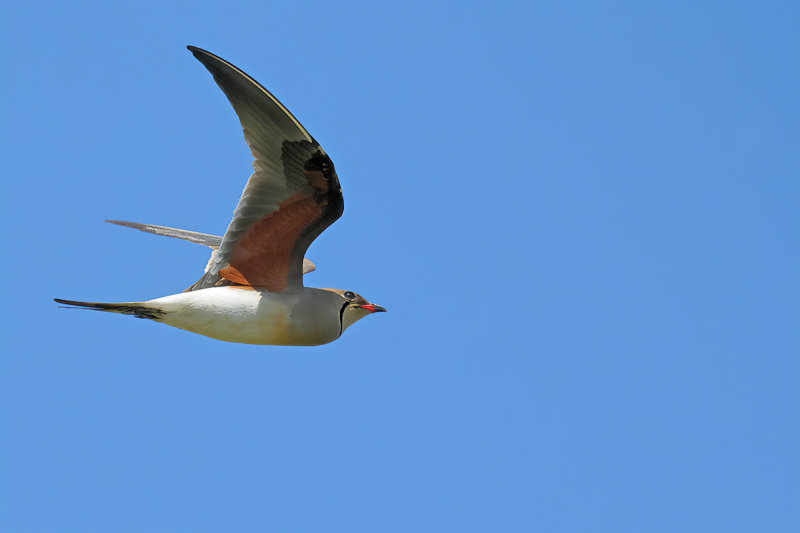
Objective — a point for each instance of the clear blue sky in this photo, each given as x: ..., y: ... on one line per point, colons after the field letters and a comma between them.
x: 584, y: 219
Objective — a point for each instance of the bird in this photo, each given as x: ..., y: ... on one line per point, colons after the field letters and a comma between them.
x: 252, y: 289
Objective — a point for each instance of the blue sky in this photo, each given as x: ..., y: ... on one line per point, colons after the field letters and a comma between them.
x: 583, y: 219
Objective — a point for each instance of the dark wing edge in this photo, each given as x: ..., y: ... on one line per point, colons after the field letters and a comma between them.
x: 255, y: 249
x: 215, y: 66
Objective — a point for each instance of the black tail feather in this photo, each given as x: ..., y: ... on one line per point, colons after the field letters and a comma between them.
x: 139, y: 310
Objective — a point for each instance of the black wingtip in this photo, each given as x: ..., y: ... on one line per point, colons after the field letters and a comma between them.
x: 196, y: 51
x: 206, y: 58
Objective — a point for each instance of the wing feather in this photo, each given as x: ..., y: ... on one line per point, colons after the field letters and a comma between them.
x: 291, y: 197
x: 212, y: 241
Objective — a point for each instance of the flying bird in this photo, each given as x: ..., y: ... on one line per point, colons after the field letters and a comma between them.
x: 252, y: 288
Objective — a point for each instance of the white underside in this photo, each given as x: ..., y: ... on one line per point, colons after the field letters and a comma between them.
x: 305, y: 317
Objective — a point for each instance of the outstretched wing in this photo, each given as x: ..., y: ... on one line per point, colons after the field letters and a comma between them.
x: 291, y: 197
x: 212, y: 241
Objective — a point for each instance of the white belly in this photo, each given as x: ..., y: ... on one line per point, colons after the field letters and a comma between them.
x: 303, y: 318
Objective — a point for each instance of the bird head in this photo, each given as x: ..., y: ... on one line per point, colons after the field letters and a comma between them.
x: 354, y: 307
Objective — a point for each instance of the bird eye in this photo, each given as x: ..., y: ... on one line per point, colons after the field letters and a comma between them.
x: 349, y: 295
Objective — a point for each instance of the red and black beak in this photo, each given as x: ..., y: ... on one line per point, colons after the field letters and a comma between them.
x: 372, y: 308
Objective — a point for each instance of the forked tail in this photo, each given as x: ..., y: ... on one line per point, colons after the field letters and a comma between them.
x: 137, y: 309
